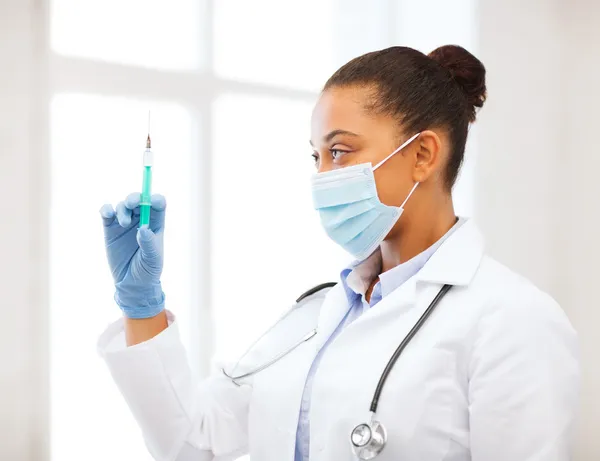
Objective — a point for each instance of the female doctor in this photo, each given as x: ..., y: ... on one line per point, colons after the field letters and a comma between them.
x: 425, y: 350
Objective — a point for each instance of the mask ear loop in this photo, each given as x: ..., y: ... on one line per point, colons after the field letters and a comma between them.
x: 409, y: 194
x: 396, y: 151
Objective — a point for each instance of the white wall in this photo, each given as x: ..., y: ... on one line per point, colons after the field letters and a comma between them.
x: 23, y: 321
x: 520, y: 135
x: 538, y: 164
x: 579, y: 166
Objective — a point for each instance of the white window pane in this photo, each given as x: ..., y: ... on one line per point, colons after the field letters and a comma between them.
x: 268, y: 245
x: 96, y: 150
x: 276, y: 42
x: 149, y: 33
x: 360, y: 27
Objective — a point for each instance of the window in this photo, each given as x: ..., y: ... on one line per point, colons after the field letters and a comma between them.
x: 230, y: 85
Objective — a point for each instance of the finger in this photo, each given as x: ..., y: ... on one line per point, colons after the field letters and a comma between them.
x: 157, y: 214
x: 159, y: 202
x: 151, y: 254
x: 133, y: 200
x: 123, y: 215
x: 108, y: 214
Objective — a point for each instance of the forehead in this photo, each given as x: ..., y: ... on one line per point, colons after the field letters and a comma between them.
x: 346, y: 109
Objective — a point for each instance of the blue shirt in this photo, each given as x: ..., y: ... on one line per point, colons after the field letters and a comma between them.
x: 356, y: 280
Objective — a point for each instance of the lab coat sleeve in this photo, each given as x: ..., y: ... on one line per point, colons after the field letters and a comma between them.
x: 180, y: 419
x: 523, y: 382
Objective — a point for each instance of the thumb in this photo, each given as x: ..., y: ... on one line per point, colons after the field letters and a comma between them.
x: 149, y: 247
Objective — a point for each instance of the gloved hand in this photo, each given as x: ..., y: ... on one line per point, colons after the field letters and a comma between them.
x: 135, y: 256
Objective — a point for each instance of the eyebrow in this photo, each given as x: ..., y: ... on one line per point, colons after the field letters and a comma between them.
x: 332, y: 134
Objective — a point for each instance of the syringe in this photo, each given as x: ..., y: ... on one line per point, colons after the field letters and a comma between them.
x: 146, y: 196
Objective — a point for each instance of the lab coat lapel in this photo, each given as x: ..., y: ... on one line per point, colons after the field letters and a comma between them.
x: 332, y: 312
x: 399, y: 301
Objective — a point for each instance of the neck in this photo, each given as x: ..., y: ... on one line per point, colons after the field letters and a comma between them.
x: 421, y: 229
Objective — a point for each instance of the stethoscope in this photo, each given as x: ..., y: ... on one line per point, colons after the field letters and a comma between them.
x: 367, y: 439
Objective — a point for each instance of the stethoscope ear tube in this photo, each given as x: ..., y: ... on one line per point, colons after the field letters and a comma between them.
x: 275, y: 359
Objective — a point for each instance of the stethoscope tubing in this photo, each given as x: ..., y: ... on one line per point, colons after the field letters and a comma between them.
x: 403, y: 344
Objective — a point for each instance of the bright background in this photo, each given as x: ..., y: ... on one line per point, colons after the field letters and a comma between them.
x: 230, y: 85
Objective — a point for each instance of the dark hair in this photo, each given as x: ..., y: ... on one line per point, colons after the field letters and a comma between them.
x: 439, y: 90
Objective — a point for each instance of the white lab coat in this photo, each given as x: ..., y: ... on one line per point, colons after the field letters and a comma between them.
x: 493, y: 375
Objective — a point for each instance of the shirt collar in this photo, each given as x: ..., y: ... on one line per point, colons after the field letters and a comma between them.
x: 357, y: 278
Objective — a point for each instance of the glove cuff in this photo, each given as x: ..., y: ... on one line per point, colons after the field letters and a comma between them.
x: 141, y: 303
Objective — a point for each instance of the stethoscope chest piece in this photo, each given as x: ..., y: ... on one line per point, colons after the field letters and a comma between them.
x: 368, y: 440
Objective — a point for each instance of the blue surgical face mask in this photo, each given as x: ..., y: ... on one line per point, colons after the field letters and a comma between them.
x: 350, y: 210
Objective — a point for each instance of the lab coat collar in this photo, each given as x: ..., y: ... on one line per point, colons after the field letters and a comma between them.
x: 457, y: 259
x: 454, y: 263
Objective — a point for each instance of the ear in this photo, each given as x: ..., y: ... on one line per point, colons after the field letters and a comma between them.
x: 427, y: 155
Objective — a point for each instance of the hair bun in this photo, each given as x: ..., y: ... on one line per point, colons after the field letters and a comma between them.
x: 467, y: 71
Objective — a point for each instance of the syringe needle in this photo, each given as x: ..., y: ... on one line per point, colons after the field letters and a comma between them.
x: 148, y: 143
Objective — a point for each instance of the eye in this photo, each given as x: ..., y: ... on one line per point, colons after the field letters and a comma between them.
x: 315, y: 156
x: 337, y: 153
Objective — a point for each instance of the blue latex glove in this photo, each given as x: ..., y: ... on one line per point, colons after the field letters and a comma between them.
x: 135, y: 256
